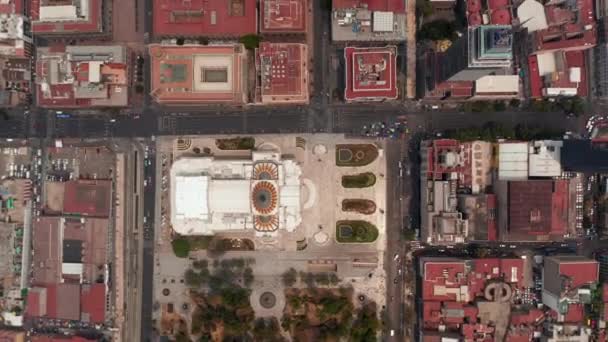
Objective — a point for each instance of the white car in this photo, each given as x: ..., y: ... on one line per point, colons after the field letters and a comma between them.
x: 396, y: 257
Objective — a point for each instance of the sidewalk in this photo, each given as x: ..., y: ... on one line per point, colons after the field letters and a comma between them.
x: 411, y: 49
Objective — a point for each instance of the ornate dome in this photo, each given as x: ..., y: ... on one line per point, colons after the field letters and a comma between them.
x: 266, y: 223
x: 265, y: 171
x: 264, y: 197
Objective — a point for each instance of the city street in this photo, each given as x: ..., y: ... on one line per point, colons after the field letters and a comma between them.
x: 147, y: 273
x: 342, y: 118
x: 143, y: 121
x: 396, y: 185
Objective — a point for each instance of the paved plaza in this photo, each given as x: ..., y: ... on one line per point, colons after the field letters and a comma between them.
x: 312, y: 247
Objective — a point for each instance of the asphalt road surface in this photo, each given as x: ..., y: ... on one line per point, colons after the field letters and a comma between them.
x: 148, y: 244
x: 395, y: 251
x: 251, y: 120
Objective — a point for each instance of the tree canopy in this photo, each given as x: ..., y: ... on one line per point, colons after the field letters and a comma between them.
x: 181, y: 247
x: 251, y: 41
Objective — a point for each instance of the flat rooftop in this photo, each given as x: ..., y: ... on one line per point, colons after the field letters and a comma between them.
x: 88, y: 198
x: 68, y: 249
x: 371, y: 73
x: 283, y: 72
x: 397, y: 6
x: 82, y: 76
x: 287, y: 16
x: 217, y: 18
x: 12, y: 6
x: 537, y: 210
x: 191, y: 74
x: 66, y: 17
x: 361, y: 22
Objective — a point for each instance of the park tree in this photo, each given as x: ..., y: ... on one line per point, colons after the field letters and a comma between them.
x: 251, y: 41
x: 181, y: 247
x: 365, y: 326
x: 200, y: 264
x: 266, y: 330
x: 248, y: 276
x: 289, y: 277
x: 192, y: 278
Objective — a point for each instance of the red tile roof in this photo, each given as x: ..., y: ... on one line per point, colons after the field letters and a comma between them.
x: 49, y: 338
x: 34, y: 307
x: 371, y: 73
x: 286, y: 77
x: 496, y: 4
x: 474, y: 6
x: 575, y: 314
x: 477, y: 332
x: 205, y: 17
x: 497, y: 10
x: 88, y: 197
x: 47, y: 258
x: 63, y: 95
x: 93, y: 302
x: 576, y: 59
x: 12, y: 7
x: 438, y: 149
x: 67, y: 302
x: 559, y: 207
x: 51, y: 301
x: 536, y: 83
x: 568, y: 30
x: 283, y: 15
x: 470, y: 279
x: 519, y: 337
x: 530, y: 317
x: 442, y: 274
x: 537, y: 207
x: 500, y: 17
x: 168, y: 89
x: 579, y: 273
x: 455, y: 89
x: 397, y: 6
x: 12, y: 335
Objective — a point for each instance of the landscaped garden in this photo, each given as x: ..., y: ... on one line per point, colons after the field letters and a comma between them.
x: 361, y: 180
x: 238, y: 143
x: 327, y: 314
x: 355, y: 231
x: 183, y: 245
x: 355, y: 154
x: 220, y: 295
x: 359, y: 205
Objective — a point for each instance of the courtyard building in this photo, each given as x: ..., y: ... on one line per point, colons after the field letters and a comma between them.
x: 195, y: 74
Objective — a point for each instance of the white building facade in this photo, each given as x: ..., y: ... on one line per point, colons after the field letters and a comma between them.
x: 211, y: 195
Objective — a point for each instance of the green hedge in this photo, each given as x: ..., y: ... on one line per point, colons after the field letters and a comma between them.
x: 361, y: 180
x: 362, y: 231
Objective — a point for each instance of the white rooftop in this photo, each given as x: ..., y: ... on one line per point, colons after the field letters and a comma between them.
x: 214, y: 195
x: 544, y: 158
x: 497, y: 84
x: 58, y: 13
x: 531, y: 14
x: 513, y: 161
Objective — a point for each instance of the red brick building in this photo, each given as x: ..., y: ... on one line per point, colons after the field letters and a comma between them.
x: 371, y: 74
x: 205, y: 18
